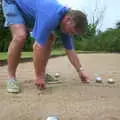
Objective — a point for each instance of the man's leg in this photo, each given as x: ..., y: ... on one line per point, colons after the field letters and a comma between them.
x: 19, y: 35
x: 48, y: 47
x: 41, y: 55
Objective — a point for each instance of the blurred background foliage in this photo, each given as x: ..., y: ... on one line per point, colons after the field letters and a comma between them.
x: 94, y: 40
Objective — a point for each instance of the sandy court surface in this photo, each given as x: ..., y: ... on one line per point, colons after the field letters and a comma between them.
x: 69, y: 98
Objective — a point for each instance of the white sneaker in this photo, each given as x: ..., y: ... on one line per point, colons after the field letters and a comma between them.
x: 13, y: 86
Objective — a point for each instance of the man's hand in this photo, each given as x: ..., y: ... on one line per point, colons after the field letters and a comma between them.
x: 84, y: 78
x: 76, y: 63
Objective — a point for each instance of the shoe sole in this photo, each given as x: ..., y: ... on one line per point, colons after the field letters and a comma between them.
x: 13, y: 91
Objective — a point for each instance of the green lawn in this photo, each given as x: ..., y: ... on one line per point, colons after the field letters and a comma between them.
x: 3, y: 55
x: 55, y: 52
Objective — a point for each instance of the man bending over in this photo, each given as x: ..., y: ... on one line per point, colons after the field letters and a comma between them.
x: 46, y: 16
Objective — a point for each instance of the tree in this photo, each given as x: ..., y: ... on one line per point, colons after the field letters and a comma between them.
x: 97, y: 16
x: 118, y: 24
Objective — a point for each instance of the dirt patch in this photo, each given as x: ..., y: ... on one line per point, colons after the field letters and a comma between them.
x: 68, y: 97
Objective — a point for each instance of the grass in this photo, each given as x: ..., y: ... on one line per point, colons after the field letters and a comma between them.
x: 55, y: 52
x: 4, y: 55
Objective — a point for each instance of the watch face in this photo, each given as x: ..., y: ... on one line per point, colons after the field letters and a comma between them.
x: 52, y: 118
x: 81, y: 69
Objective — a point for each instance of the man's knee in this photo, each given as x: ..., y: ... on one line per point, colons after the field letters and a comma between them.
x: 19, y: 33
x: 20, y: 37
x: 37, y: 47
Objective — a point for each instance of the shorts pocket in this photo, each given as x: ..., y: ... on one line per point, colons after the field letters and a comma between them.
x: 10, y: 10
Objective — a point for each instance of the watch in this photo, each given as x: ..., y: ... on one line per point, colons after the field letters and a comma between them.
x: 80, y: 69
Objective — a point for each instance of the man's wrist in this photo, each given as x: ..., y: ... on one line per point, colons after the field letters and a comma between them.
x: 80, y: 69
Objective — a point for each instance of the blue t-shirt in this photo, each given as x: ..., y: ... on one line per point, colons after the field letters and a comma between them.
x: 46, y: 16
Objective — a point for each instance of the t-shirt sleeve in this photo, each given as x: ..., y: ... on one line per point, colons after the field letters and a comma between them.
x: 68, y: 41
x: 40, y: 31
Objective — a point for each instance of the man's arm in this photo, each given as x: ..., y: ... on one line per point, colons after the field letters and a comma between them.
x: 68, y: 42
x: 76, y: 63
x: 74, y: 59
